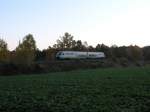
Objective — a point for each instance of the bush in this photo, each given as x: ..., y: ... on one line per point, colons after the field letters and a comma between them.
x: 123, y: 62
x: 63, y: 65
x: 8, y: 69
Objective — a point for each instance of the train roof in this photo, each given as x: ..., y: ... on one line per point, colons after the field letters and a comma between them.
x: 81, y: 51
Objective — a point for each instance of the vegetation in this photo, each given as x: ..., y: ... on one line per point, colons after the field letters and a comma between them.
x: 65, y: 42
x: 3, y: 51
x: 107, y: 89
x: 27, y: 58
x: 25, y: 52
x: 99, y: 90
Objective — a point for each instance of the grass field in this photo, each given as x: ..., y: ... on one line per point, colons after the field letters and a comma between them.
x: 99, y: 90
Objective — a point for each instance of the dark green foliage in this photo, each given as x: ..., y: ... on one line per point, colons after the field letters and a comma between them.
x: 146, y: 53
x: 134, y: 53
x: 40, y: 55
x: 119, y: 52
x: 79, y: 46
x: 3, y: 45
x: 65, y: 42
x: 100, y: 90
x: 105, y: 49
x: 123, y: 61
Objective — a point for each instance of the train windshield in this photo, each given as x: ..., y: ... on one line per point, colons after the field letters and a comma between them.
x: 59, y: 53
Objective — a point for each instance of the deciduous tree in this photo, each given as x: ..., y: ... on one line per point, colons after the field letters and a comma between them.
x: 65, y: 42
x: 25, y: 52
x: 134, y: 53
x: 4, y: 54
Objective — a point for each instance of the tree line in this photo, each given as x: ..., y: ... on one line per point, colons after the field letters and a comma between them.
x: 27, y: 54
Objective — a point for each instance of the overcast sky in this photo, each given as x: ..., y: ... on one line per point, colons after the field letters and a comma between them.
x: 120, y: 22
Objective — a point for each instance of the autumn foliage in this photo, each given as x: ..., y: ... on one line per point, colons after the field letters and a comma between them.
x: 27, y: 58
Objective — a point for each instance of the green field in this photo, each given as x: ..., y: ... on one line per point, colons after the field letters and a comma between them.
x: 99, y: 90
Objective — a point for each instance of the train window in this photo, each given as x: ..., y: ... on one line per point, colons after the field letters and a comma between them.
x: 91, y: 55
x: 69, y: 53
x: 59, y: 53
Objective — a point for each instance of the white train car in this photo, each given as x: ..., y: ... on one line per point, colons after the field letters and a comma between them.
x: 95, y: 55
x: 79, y: 55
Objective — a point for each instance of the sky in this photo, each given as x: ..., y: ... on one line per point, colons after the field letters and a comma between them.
x: 112, y: 22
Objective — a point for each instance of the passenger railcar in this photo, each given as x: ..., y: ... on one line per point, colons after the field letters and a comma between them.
x: 79, y: 55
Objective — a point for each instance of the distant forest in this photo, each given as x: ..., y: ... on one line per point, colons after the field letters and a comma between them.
x: 27, y: 58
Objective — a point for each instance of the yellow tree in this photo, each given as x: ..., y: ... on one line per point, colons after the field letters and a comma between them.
x: 25, y: 52
x: 4, y: 54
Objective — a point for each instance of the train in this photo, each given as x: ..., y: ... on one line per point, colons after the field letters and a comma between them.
x: 79, y: 55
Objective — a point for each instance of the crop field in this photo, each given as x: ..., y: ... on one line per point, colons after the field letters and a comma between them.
x: 98, y: 90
